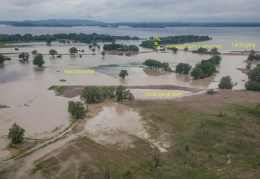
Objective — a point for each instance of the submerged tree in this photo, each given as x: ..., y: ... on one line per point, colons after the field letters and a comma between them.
x: 2, y: 59
x: 103, y: 53
x: 24, y: 56
x: 73, y: 50
x: 53, y: 52
x: 16, y: 133
x: 34, y: 52
x: 123, y: 74
x: 38, y: 60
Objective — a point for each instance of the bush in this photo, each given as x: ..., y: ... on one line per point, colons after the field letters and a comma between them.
x: 109, y: 92
x: 92, y: 95
x: 77, y: 109
x: 16, y: 133
x: 253, y: 85
x: 225, y: 83
x: 211, y: 91
x: 123, y: 94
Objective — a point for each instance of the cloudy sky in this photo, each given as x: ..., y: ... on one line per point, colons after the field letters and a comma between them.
x: 133, y: 10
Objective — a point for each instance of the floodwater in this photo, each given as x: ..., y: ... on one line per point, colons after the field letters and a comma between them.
x: 114, y: 125
x: 43, y: 115
x: 40, y: 112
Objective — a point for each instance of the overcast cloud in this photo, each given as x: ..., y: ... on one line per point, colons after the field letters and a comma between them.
x: 133, y: 10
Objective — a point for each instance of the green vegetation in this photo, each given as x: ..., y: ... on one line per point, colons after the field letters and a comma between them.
x: 38, y: 60
x: 92, y: 95
x: 58, y: 89
x: 253, y: 56
x: 2, y: 59
x: 73, y: 50
x: 109, y: 92
x: 183, y: 68
x: 84, y: 38
x: 206, y: 68
x: 103, y: 53
x: 77, y: 109
x: 225, y: 83
x: 16, y: 134
x: 174, y: 40
x: 24, y: 56
x: 53, y: 52
x: 34, y: 52
x: 122, y: 94
x: 254, y: 79
x: 174, y: 49
x: 205, y: 51
x: 211, y: 91
x: 121, y: 47
x: 123, y: 74
x: 156, y: 65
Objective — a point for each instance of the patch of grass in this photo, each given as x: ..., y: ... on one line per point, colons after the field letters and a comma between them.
x: 58, y: 89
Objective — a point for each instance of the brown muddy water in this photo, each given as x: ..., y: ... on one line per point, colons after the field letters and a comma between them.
x: 43, y: 115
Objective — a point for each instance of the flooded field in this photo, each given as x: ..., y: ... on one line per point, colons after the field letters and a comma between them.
x: 44, y: 116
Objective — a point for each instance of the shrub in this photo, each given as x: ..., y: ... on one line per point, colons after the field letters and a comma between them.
x: 16, y: 133
x: 225, y: 83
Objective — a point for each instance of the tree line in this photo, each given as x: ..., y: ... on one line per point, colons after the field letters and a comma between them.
x: 156, y: 65
x: 205, y: 51
x: 94, y: 95
x: 203, y: 69
x: 84, y: 38
x: 253, y: 56
x: 120, y: 47
x: 174, y: 40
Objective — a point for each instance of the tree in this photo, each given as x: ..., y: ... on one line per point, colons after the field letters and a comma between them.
x: 34, y: 52
x: 103, y: 53
x: 48, y: 42
x: 123, y: 94
x: 186, y: 48
x: 53, y: 52
x: 254, y: 75
x: 123, y: 74
x: 183, y: 68
x: 92, y: 95
x: 248, y: 66
x: 16, y: 134
x: 77, y: 109
x: 214, y: 50
x: 38, y: 60
x: 73, y: 50
x: 174, y: 49
x: 2, y: 59
x: 225, y: 83
x: 93, y: 50
x: 24, y: 55
x: 197, y: 73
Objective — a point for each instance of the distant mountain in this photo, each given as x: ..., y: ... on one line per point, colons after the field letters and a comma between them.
x: 81, y: 22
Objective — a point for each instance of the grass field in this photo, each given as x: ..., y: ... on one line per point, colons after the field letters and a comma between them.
x: 208, y: 136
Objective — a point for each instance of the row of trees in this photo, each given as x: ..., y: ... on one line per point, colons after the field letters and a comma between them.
x: 84, y: 38
x: 121, y: 47
x: 156, y: 65
x: 206, y: 68
x: 253, y: 56
x: 254, y: 79
x: 92, y: 95
x: 205, y: 51
x: 174, y: 40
